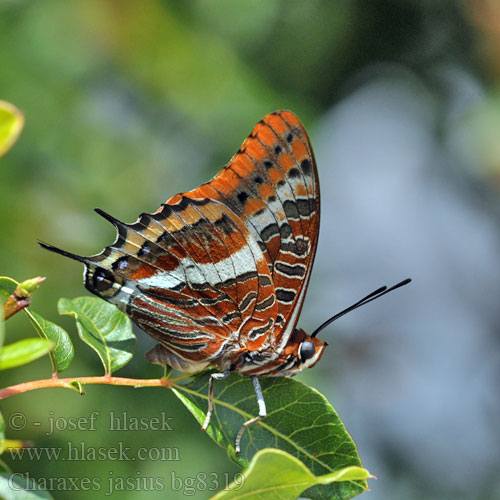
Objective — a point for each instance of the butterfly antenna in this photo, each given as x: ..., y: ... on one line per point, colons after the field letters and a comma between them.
x: 376, y: 294
x: 70, y: 255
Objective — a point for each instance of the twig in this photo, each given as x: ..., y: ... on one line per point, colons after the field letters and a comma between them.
x: 67, y: 382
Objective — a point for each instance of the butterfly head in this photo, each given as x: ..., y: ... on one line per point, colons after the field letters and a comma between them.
x: 302, y: 351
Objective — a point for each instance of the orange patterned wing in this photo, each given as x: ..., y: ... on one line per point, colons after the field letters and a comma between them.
x: 272, y: 185
x: 190, y: 275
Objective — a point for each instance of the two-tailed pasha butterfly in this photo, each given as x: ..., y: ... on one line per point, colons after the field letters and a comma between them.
x: 218, y: 275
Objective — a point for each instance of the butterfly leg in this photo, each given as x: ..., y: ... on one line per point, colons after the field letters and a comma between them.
x: 213, y: 377
x: 262, y: 413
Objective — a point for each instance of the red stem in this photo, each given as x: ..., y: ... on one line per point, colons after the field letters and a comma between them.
x: 64, y: 382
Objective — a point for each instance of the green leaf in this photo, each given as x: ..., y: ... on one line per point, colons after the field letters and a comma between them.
x: 104, y: 328
x: 11, y: 124
x: 63, y: 352
x: 23, y: 352
x: 300, y: 421
x: 275, y: 474
x: 4, y: 467
x: 7, y: 286
x: 19, y: 486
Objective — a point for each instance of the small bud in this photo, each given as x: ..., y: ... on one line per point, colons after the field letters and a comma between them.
x: 21, y: 296
x: 27, y: 287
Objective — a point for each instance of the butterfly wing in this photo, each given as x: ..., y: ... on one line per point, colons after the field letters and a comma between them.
x: 272, y: 184
x: 190, y: 275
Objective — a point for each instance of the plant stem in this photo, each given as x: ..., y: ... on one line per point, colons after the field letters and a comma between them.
x: 65, y: 382
x: 13, y: 305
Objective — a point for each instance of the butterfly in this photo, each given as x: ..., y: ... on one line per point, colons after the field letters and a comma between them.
x: 218, y: 275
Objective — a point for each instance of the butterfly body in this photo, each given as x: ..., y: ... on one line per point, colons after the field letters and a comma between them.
x: 218, y: 275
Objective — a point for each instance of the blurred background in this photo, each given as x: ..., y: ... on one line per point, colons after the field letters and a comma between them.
x: 130, y: 102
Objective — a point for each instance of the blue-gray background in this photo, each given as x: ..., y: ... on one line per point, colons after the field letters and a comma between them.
x: 127, y: 103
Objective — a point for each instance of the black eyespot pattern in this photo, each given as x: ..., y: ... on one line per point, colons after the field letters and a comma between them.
x: 242, y: 196
x: 102, y: 280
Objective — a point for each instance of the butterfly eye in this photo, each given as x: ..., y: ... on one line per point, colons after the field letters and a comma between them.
x: 306, y: 350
